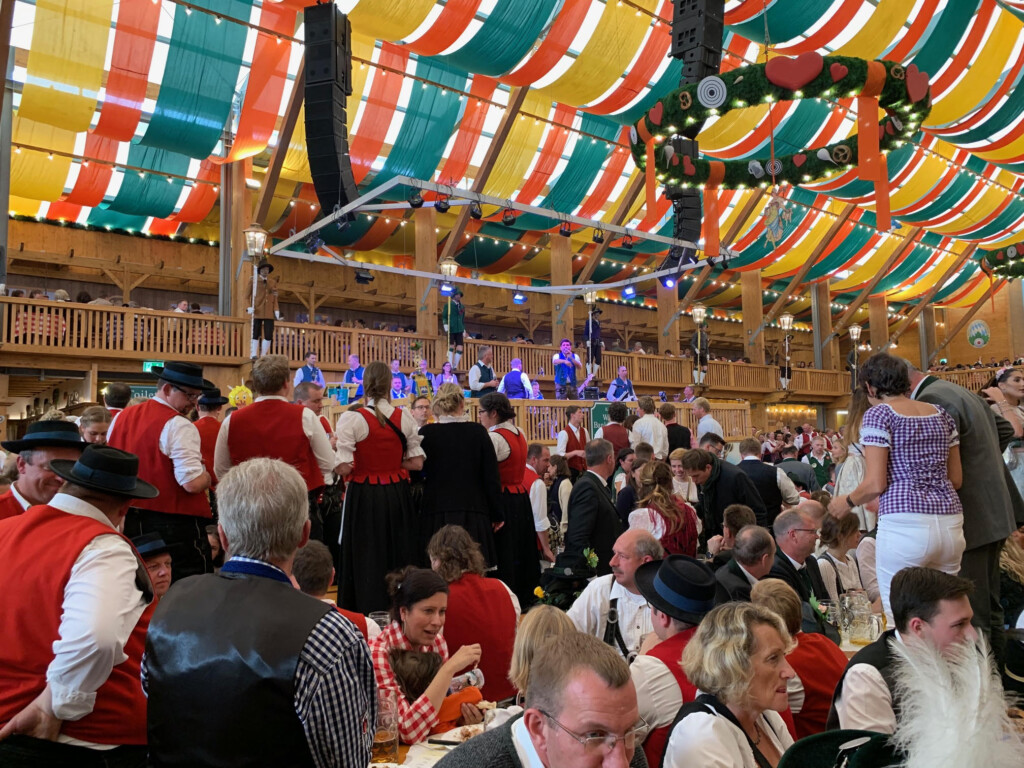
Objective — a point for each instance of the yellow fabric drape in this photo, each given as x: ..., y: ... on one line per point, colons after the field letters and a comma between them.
x: 389, y: 19
x: 978, y: 211
x: 869, y: 268
x: 733, y: 127
x: 619, y: 33
x: 21, y: 206
x: 879, y: 30
x: 65, y: 62
x: 798, y: 254
x: 519, y: 149
x: 973, y: 297
x: 928, y: 281
x: 36, y: 174
x: 974, y: 87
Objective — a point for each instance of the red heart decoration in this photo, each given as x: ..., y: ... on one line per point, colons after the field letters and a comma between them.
x: 675, y: 159
x: 799, y: 160
x: 794, y: 74
x: 656, y: 113
x: 838, y: 71
x: 688, y: 168
x: 917, y: 83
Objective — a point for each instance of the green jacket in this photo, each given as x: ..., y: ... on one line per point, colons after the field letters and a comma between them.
x: 457, y: 323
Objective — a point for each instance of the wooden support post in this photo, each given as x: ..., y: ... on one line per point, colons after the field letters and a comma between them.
x: 750, y: 283
x: 878, y: 321
x: 951, y: 270
x: 668, y: 320
x: 926, y: 333
x: 240, y: 207
x: 561, y: 274
x: 821, y: 303
x: 515, y: 103
x: 425, y: 221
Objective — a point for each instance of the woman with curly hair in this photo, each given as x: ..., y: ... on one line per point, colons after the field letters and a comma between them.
x: 480, y: 610
x: 668, y: 518
x: 378, y: 444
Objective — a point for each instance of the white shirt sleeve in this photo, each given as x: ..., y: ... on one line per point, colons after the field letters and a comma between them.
x: 795, y: 692
x: 501, y: 385
x: 564, y: 492
x: 350, y: 429
x: 790, y: 495
x: 641, y: 519
x: 526, y: 385
x: 828, y: 575
x: 221, y: 455
x: 101, y: 607
x: 411, y: 430
x: 318, y: 441
x: 298, y: 377
x: 515, y: 600
x: 657, y: 692
x: 501, y: 448
x: 560, y: 443
x: 866, y: 566
x: 539, y: 502
x: 179, y: 441
x: 599, y: 434
x: 585, y: 611
x: 474, y: 378
x: 706, y: 740
x: 866, y: 703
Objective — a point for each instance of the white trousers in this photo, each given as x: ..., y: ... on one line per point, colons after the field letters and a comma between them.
x: 906, y: 539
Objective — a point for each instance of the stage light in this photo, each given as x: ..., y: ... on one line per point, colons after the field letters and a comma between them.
x: 475, y: 211
x: 627, y: 242
x: 441, y: 205
x: 343, y: 221
x: 314, y: 242
x: 668, y: 281
x: 447, y: 289
x: 509, y: 218
x: 565, y: 230
x: 628, y: 292
x: 364, y: 276
x: 415, y: 199
x: 598, y: 236
x: 518, y: 297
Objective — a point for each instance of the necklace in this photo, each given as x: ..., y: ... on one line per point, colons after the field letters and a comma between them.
x: 757, y: 731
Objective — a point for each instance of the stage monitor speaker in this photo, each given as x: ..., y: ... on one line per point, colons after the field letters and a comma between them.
x: 328, y: 76
x: 591, y: 393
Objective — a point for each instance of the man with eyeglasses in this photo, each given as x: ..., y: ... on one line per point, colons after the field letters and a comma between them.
x: 581, y: 711
x: 796, y: 534
x: 170, y: 457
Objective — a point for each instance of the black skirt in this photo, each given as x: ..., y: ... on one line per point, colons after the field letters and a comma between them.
x: 378, y: 535
x: 516, y: 543
x: 478, y: 526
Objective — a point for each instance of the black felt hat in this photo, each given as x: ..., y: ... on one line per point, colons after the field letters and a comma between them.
x: 150, y: 545
x: 846, y: 748
x: 264, y: 263
x: 212, y: 398
x: 680, y: 586
x: 47, y: 434
x: 183, y: 374
x: 105, y: 469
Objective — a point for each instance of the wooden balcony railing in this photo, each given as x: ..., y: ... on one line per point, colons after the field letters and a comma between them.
x: 98, y: 331
x: 973, y: 379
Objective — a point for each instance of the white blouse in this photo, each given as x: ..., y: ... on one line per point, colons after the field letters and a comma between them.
x: 711, y: 741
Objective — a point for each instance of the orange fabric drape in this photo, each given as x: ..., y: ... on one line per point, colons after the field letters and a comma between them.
x: 449, y: 24
x: 554, y: 46
x: 470, y: 129
x: 132, y: 53
x: 379, y: 110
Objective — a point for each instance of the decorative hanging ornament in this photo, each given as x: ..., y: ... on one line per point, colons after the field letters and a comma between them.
x: 1006, y: 262
x: 903, y: 92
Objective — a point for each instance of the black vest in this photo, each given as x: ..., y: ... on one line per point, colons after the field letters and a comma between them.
x: 221, y: 656
x: 879, y: 655
x: 486, y: 375
x: 766, y: 479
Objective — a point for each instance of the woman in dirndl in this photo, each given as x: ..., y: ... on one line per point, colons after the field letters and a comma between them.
x: 377, y: 444
x: 515, y: 539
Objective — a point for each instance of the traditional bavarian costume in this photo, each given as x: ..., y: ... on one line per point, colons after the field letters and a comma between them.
x: 516, y: 541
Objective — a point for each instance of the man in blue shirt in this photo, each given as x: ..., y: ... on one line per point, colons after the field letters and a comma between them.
x: 354, y: 374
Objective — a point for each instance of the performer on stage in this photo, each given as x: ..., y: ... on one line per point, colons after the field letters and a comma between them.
x: 264, y: 309
x: 453, y: 318
x: 309, y: 372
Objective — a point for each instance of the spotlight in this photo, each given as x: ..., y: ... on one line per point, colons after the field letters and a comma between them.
x: 565, y: 230
x: 677, y: 255
x: 475, y: 211
x: 415, y: 199
x: 598, y: 236
x: 364, y: 276
x: 343, y: 221
x: 518, y: 297
x: 629, y: 292
x: 441, y: 205
x: 509, y: 218
x: 314, y: 242
x: 668, y: 281
x: 447, y: 289
x: 627, y: 243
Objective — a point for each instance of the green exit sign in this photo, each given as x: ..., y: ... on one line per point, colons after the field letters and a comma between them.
x: 147, y: 366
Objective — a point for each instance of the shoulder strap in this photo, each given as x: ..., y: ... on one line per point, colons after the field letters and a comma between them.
x: 391, y: 425
x: 612, y: 633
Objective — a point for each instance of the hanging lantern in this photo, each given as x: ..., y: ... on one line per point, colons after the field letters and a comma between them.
x: 255, y: 240
x: 448, y: 266
x: 786, y: 321
x: 855, y: 333
x: 698, y: 313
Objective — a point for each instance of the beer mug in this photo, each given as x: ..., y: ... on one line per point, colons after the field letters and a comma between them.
x: 865, y: 627
x: 385, y: 735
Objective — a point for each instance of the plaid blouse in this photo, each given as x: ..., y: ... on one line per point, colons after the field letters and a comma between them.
x: 417, y: 718
x: 918, y: 446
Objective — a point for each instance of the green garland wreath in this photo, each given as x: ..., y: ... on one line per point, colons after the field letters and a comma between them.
x: 1007, y: 262
x: 905, y: 95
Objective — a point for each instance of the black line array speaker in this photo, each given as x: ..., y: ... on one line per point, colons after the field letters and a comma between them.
x: 697, y: 24
x: 688, y: 210
x: 328, y: 76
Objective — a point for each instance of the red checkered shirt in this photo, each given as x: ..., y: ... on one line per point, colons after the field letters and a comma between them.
x: 417, y: 718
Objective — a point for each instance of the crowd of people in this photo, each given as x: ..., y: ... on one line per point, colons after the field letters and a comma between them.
x: 635, y: 596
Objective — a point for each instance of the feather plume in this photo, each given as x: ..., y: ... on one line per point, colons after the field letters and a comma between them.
x: 953, y: 708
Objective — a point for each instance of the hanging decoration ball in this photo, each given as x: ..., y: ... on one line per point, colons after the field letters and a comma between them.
x: 903, y: 93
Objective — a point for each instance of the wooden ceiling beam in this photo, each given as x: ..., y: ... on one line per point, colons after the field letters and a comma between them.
x: 632, y: 193
x: 273, y: 173
x: 951, y: 270
x: 968, y: 316
x: 515, y: 103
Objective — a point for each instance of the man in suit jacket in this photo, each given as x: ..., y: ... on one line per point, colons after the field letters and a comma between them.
x: 797, y: 470
x: 993, y: 507
x: 773, y: 484
x: 752, y: 560
x: 720, y: 484
x: 796, y: 534
x: 593, y: 521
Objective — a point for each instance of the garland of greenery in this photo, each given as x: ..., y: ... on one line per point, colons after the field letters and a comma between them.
x: 1006, y: 262
x: 904, y: 94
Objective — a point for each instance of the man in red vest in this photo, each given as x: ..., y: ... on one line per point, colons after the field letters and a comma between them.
x: 170, y: 457
x: 680, y: 591
x: 77, y: 602
x: 274, y: 428
x: 572, y: 440
x: 37, y: 483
